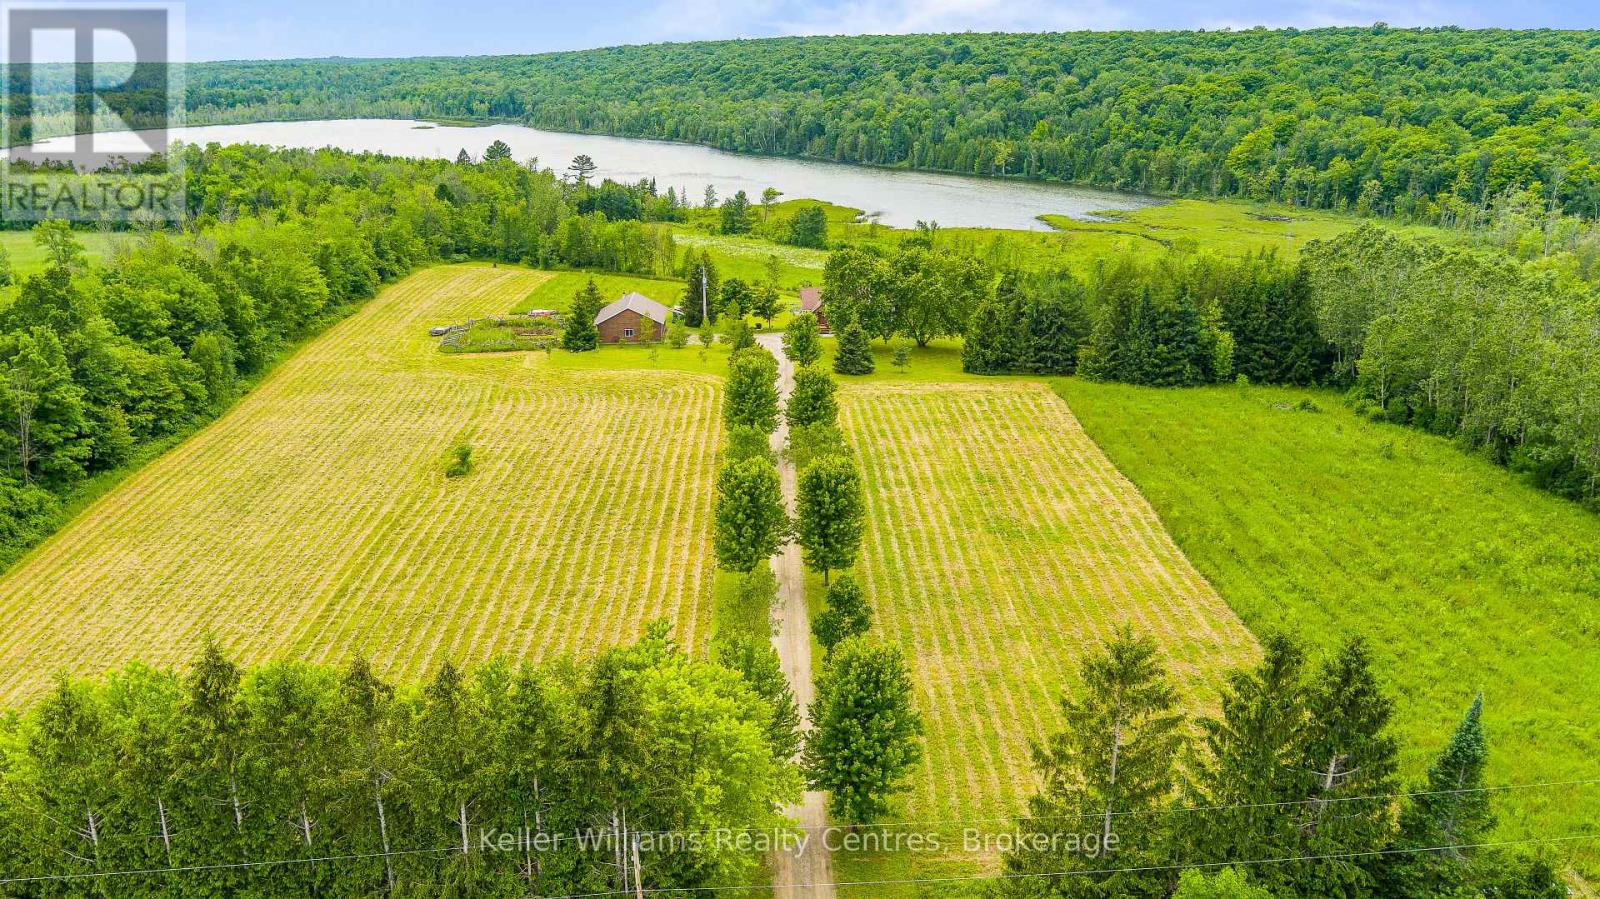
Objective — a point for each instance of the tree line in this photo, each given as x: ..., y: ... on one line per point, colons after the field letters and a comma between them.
x: 99, y: 362
x: 498, y: 781
x: 866, y: 736
x: 1467, y: 342
x: 1291, y: 788
x: 1432, y: 123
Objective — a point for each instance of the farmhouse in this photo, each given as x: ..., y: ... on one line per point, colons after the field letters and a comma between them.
x: 811, y: 301
x: 626, y: 319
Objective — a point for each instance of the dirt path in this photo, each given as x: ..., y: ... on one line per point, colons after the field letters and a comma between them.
x: 807, y: 873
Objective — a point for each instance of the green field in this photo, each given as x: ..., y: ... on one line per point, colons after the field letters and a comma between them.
x: 27, y: 257
x: 1002, y: 546
x: 314, y: 520
x: 1324, y: 524
x: 557, y: 292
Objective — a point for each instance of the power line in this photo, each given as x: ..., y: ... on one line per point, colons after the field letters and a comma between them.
x: 223, y: 866
x: 910, y: 881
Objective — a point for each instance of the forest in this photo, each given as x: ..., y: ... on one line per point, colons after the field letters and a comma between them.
x: 1430, y: 124
x: 1463, y: 342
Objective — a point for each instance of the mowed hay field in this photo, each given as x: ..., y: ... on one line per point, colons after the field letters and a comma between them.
x: 1002, y: 546
x: 314, y: 520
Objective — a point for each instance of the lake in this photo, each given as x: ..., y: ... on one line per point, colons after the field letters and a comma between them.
x: 898, y: 198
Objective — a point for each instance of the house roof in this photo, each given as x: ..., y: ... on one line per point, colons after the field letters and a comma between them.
x: 810, y: 299
x: 635, y: 302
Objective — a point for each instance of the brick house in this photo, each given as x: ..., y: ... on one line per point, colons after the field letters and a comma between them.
x: 632, y: 318
x: 811, y: 301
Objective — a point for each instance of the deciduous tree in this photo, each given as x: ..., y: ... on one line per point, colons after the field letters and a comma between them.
x: 866, y: 736
x: 832, y: 514
x: 750, y: 522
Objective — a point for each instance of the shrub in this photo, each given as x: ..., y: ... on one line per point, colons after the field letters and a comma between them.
x: 458, y: 462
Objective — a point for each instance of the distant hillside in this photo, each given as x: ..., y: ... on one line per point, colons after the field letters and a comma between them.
x: 1430, y: 123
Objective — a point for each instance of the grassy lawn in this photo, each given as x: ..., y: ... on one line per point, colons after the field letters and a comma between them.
x: 1002, y: 545
x: 27, y: 257
x: 557, y: 291
x: 314, y: 520
x: 1324, y: 524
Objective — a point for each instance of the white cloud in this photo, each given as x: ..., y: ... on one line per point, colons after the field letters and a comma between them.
x: 754, y: 18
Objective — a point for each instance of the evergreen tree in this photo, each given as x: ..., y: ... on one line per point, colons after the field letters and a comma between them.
x: 1111, y: 351
x: 848, y: 614
x: 447, y: 775
x: 580, y: 333
x: 288, y: 731
x: 832, y: 514
x: 1347, y: 754
x: 702, y: 290
x: 735, y: 297
x: 582, y: 168
x: 750, y: 522
x: 1176, y: 356
x: 1248, y: 766
x: 987, y: 350
x: 496, y: 151
x: 752, y: 397
x: 463, y: 158
x: 866, y: 736
x: 812, y: 400
x: 1452, y: 810
x: 1052, y: 327
x: 736, y: 214
x: 801, y: 341
x: 74, y: 789
x: 855, y: 354
x: 216, y: 800
x: 535, y: 753
x: 1112, y: 766
x: 809, y: 228
x: 369, y: 758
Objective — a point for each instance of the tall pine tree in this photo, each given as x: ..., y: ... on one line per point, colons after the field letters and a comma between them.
x: 1451, y: 810
x: 1110, y: 770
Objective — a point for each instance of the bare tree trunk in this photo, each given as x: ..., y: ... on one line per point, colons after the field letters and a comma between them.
x: 383, y: 837
x: 233, y: 798
x: 535, y: 864
x: 166, y: 833
x: 1116, y: 752
x: 461, y: 813
x: 616, y: 850
x: 638, y: 878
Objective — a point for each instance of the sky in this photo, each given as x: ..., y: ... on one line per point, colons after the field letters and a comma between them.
x: 272, y: 29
